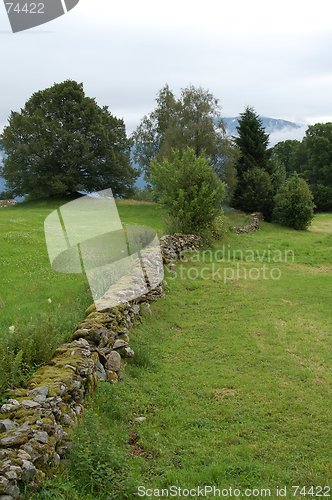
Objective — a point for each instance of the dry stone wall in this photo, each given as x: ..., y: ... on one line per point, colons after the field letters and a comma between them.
x: 255, y: 224
x: 35, y: 422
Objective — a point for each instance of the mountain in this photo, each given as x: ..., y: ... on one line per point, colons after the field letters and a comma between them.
x: 278, y: 129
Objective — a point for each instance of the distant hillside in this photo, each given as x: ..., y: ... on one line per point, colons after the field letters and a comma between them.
x: 279, y: 130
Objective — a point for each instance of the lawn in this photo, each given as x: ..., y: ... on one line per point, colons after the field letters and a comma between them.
x: 42, y: 305
x: 232, y: 374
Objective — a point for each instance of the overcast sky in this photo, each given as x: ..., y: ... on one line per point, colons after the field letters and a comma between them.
x: 273, y: 55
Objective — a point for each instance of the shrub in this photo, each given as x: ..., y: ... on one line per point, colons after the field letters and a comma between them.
x: 218, y: 227
x: 190, y: 189
x: 294, y: 206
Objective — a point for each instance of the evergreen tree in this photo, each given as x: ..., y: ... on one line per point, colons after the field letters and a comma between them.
x: 62, y: 142
x: 252, y: 142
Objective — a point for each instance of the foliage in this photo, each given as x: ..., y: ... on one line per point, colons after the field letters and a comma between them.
x: 258, y: 195
x: 145, y: 194
x: 312, y: 159
x: 252, y: 142
x: 294, y: 206
x: 30, y: 345
x: 190, y: 121
x: 317, y: 168
x: 279, y: 173
x: 218, y: 227
x: 190, y: 189
x: 288, y: 153
x: 62, y: 142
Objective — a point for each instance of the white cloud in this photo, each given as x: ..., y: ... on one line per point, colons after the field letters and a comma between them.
x: 273, y: 56
x: 287, y: 133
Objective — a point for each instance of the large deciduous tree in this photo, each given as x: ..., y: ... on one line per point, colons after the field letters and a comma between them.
x: 62, y: 142
x: 191, y: 121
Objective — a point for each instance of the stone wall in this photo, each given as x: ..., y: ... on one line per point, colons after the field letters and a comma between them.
x: 7, y: 203
x: 35, y: 421
x: 255, y: 224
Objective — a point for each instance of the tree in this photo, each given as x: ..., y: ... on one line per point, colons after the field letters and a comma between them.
x: 258, y: 195
x: 294, y: 206
x: 252, y: 142
x: 289, y: 154
x: 190, y: 189
x: 62, y: 142
x: 317, y: 166
x: 278, y: 175
x: 193, y: 121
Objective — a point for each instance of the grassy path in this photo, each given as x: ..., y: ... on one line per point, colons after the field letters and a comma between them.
x: 234, y: 379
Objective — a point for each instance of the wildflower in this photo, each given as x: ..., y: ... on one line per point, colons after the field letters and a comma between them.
x: 11, y: 329
x: 49, y: 301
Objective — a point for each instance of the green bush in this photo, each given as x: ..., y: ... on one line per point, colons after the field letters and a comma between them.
x: 294, y: 206
x: 218, y: 227
x: 190, y: 189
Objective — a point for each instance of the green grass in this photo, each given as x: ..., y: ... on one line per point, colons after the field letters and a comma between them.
x: 28, y: 282
x: 234, y: 380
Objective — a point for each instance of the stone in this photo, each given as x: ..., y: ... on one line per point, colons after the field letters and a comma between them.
x: 100, y: 371
x: 3, y: 485
x: 135, y: 309
x: 23, y: 455
x: 12, y: 475
x: 39, y: 392
x: 66, y: 420
x: 28, y: 471
x: 29, y: 404
x: 14, y: 439
x: 113, y: 361
x: 126, y: 352
x: 119, y: 343
x: 13, y: 490
x: 10, y: 406
x: 139, y: 420
x: 41, y: 436
x: 6, y: 425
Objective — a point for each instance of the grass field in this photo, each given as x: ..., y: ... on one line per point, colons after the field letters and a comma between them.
x: 233, y: 375
x: 42, y: 305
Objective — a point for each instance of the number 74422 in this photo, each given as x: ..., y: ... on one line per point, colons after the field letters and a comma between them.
x: 27, y: 8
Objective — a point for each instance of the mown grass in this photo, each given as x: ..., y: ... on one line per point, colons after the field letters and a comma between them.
x: 43, y: 306
x: 234, y: 379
